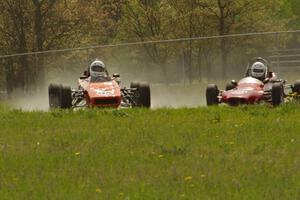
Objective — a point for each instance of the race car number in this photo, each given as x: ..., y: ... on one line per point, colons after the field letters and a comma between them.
x: 240, y: 92
x: 104, y: 92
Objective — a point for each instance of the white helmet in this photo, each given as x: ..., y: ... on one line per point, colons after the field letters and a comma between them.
x: 97, y: 69
x: 258, y: 70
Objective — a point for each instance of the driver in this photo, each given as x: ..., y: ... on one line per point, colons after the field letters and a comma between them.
x: 260, y: 71
x: 98, y: 71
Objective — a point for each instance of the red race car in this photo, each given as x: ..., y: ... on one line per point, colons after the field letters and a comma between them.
x: 98, y: 89
x: 258, y: 85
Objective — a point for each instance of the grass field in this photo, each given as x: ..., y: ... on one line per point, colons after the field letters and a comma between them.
x: 197, y: 153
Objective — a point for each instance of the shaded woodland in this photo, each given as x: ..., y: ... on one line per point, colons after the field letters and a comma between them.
x: 42, y: 25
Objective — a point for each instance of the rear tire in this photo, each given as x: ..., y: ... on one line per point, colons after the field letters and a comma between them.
x: 145, y: 95
x: 142, y: 94
x: 59, y: 96
x: 277, y: 94
x: 212, y: 93
x: 54, y: 96
x: 134, y: 84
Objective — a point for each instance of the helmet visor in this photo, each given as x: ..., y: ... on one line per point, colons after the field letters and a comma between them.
x: 258, y: 70
x: 97, y: 68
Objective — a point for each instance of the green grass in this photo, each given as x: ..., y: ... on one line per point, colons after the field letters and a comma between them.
x: 202, y: 153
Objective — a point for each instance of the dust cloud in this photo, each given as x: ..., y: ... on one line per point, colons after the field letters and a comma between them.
x: 177, y: 95
x: 162, y: 95
x: 30, y: 102
x: 39, y: 100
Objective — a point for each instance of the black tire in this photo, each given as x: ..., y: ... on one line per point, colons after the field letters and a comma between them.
x: 277, y: 94
x: 134, y: 84
x: 59, y: 96
x: 212, y: 93
x: 229, y: 86
x: 142, y: 94
x: 144, y: 99
x: 66, y: 97
x: 54, y: 96
x: 296, y: 87
x: 136, y: 96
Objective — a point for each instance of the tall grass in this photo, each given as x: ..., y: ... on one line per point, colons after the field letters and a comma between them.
x: 202, y: 153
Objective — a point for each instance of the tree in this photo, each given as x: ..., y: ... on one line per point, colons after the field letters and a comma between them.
x: 39, y: 25
x: 188, y: 23
x: 15, y: 33
x: 149, y: 20
x: 33, y: 26
x: 239, y: 16
x: 289, y: 12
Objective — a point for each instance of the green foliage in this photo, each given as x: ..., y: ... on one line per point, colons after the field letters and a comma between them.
x: 32, y: 25
x: 201, y: 153
x: 290, y: 12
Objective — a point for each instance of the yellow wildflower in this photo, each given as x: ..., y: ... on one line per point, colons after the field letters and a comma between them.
x: 98, y: 190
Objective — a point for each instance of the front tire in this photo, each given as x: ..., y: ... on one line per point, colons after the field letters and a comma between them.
x: 212, y: 93
x: 277, y: 94
x: 66, y: 97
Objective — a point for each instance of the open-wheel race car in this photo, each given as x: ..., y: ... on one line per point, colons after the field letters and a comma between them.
x: 98, y: 89
x: 259, y: 85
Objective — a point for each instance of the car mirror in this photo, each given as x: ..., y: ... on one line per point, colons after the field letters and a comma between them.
x: 266, y: 80
x: 233, y: 82
x: 116, y: 75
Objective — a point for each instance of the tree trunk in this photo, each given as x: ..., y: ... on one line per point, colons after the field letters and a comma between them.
x: 224, y: 58
x: 39, y: 38
x: 9, y: 76
x: 188, y: 62
x: 222, y: 31
x: 199, y: 64
x: 23, y: 72
x: 22, y: 81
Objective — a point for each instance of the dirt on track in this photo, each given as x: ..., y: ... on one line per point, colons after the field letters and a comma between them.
x: 30, y: 102
x: 177, y: 95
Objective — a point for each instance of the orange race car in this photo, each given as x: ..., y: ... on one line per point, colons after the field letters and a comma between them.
x: 260, y: 85
x: 98, y: 89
